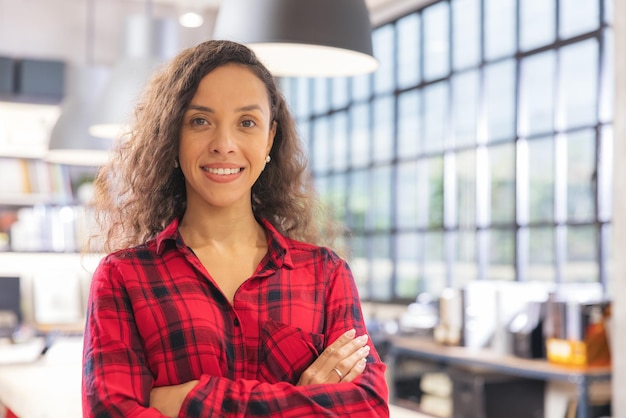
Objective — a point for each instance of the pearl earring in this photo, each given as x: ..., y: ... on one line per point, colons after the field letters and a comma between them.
x: 175, y: 163
x: 268, y: 159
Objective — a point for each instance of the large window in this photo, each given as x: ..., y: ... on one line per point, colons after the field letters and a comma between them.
x: 480, y: 149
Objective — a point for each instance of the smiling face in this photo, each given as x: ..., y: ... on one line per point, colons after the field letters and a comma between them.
x: 227, y: 132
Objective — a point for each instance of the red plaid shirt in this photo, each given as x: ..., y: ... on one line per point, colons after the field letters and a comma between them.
x: 155, y: 318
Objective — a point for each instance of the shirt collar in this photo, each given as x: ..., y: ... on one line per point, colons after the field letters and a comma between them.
x: 277, y: 244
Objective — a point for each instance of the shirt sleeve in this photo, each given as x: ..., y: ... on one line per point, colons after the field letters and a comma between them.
x: 365, y: 397
x: 116, y: 381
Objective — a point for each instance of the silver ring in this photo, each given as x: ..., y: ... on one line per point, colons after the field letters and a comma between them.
x: 336, y: 370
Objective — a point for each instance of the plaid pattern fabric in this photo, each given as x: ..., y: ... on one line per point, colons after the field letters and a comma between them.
x: 155, y: 317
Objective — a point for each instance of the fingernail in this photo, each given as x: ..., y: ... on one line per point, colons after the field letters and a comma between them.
x: 361, y: 364
x: 362, y: 339
x: 364, y: 350
x: 350, y: 334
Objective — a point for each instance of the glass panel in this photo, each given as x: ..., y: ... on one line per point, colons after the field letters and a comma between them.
x: 340, y: 140
x: 383, y: 128
x: 435, y: 116
x: 501, y: 255
x: 577, y: 17
x: 383, y: 45
x: 359, y: 124
x: 409, y: 70
x: 502, y: 183
x: 381, y: 198
x: 434, y: 167
x: 537, y: 94
x: 434, y: 264
x: 339, y: 94
x: 465, y: 107
x: 321, y: 145
x: 537, y: 23
x: 382, y: 267
x: 500, y: 24
x: 541, y: 180
x: 409, y: 124
x: 408, y: 195
x: 607, y: 82
x: 581, y: 158
x: 321, y: 101
x: 359, y: 264
x: 409, y: 248
x: 303, y: 96
x: 465, y: 268
x: 605, y: 174
x: 361, y: 88
x: 304, y: 130
x: 322, y: 187
x: 581, y: 260
x: 608, y: 12
x: 436, y: 41
x: 466, y: 188
x: 338, y: 190
x: 466, y: 37
x: 499, y: 82
x: 358, y: 200
x: 579, y: 83
x: 541, y: 254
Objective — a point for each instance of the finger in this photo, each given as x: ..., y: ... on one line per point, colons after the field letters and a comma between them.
x: 319, y: 370
x: 356, y: 371
x: 351, y: 366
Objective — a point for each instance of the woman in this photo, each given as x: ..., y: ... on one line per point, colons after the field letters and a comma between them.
x: 210, y: 302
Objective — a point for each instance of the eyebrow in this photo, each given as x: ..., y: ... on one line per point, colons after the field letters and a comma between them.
x: 239, y: 109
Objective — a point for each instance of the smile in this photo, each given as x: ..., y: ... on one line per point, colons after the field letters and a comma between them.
x: 223, y: 171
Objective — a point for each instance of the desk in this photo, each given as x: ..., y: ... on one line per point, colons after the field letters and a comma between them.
x: 428, y: 350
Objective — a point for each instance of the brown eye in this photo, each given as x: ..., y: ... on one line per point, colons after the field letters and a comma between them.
x: 248, y: 123
x: 199, y: 121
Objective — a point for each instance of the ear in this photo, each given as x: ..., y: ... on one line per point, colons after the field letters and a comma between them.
x: 270, y: 137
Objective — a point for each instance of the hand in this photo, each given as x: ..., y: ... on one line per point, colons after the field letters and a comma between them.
x: 342, y: 361
x: 169, y: 399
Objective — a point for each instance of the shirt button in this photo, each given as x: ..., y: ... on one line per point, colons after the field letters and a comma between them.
x: 236, y: 322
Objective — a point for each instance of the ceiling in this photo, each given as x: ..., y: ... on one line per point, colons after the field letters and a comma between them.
x: 81, y: 32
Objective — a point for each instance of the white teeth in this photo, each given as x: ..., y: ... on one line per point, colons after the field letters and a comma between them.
x: 223, y: 171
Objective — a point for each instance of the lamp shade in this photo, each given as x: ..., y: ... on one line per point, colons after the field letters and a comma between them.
x: 70, y: 141
x: 148, y: 42
x: 302, y: 38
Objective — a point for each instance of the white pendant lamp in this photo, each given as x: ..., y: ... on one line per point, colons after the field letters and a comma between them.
x: 148, y: 42
x: 70, y: 141
x: 302, y: 38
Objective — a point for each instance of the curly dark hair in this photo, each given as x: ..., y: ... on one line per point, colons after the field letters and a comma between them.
x: 139, y: 191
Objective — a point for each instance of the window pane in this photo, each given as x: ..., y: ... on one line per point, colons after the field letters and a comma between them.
x: 502, y: 183
x: 303, y: 96
x: 578, y: 17
x: 321, y: 101
x: 359, y: 264
x: 436, y: 41
x: 304, y: 130
x: 581, y: 260
x: 537, y: 94
x: 605, y: 174
x: 408, y: 38
x: 501, y: 255
x: 340, y: 140
x: 537, y: 20
x: 359, y: 122
x: 466, y: 26
x: 409, y: 248
x: 358, y: 200
x: 500, y: 24
x: 340, y: 96
x: 383, y: 45
x: 434, y: 263
x: 321, y: 145
x: 464, y: 269
x: 435, y: 116
x: 578, y: 83
x: 381, y: 198
x: 409, y: 124
x: 541, y: 255
x: 383, y: 128
x: 581, y: 157
x: 499, y: 82
x: 361, y: 89
x: 541, y: 180
x: 382, y: 267
x: 608, y: 82
x: 337, y: 196
x: 434, y: 198
x: 465, y: 107
x: 466, y: 188
x: 408, y: 195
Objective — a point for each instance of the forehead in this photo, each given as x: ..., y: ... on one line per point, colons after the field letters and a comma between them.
x: 232, y: 81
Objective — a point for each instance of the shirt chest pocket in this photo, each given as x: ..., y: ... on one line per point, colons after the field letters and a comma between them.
x: 286, y: 351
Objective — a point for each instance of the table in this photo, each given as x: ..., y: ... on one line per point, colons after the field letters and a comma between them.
x: 429, y: 350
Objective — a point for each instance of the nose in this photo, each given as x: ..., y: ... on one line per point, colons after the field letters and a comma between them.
x: 223, y: 141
